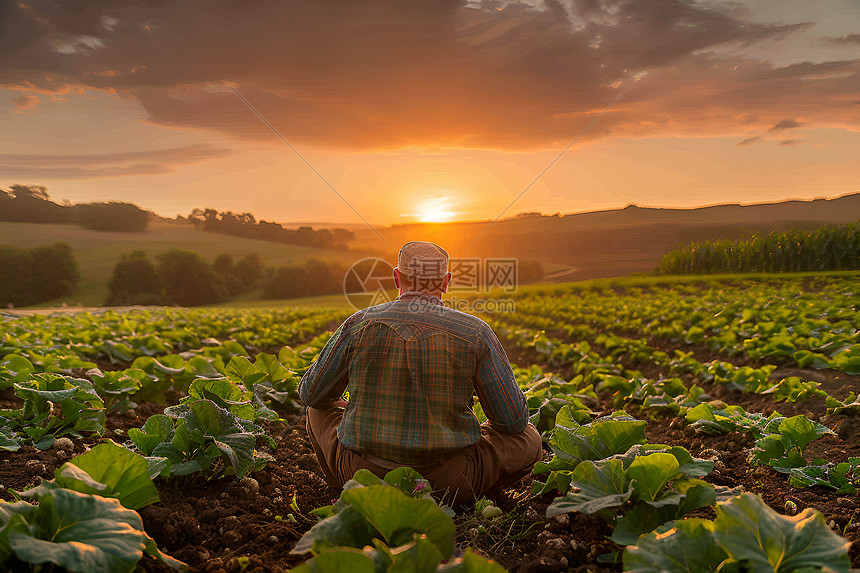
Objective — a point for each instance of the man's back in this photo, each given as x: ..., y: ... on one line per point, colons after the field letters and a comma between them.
x: 412, y: 367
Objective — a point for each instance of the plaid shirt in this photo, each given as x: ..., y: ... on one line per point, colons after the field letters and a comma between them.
x: 412, y: 367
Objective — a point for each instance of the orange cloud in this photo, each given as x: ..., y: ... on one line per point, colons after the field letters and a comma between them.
x: 26, y: 103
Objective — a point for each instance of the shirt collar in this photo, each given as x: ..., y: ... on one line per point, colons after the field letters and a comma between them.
x: 422, y: 295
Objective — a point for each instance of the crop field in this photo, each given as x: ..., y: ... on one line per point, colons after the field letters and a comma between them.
x: 690, y: 425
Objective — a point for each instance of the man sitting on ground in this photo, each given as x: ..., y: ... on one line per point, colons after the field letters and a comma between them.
x: 412, y: 367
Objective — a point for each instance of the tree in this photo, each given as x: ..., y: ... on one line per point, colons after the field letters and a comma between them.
x: 112, y: 216
x: 134, y: 281
x: 249, y: 270
x: 31, y: 204
x: 188, y: 280
x: 314, y: 277
x: 31, y: 276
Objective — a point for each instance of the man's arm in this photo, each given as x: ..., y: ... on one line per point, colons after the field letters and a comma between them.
x: 327, y: 378
x: 501, y: 398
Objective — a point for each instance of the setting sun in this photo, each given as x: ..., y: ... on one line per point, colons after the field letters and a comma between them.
x: 435, y: 210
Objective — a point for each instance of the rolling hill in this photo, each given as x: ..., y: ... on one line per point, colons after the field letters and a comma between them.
x: 615, y: 242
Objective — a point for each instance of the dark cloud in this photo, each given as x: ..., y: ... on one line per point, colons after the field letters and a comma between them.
x: 151, y: 162
x: 786, y: 124
x: 790, y: 142
x: 748, y: 141
x: 387, y: 73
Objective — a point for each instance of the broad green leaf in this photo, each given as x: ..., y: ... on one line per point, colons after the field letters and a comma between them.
x: 241, y: 371
x: 771, y: 447
x: 276, y: 372
x: 223, y: 392
x: 8, y: 440
x: 407, y: 480
x: 158, y: 428
x: 364, y: 477
x: 471, y: 563
x: 340, y: 560
x: 346, y: 528
x: 418, y: 556
x: 396, y: 516
x: 684, y: 497
x: 239, y: 449
x: 618, y: 436
x: 80, y: 532
x: 203, y: 367
x: 748, y: 529
x: 601, y: 485
x: 650, y: 474
x: 110, y: 470
x: 802, y: 431
x: 16, y: 368
x: 687, y: 548
x: 597, y: 440
x: 689, y: 465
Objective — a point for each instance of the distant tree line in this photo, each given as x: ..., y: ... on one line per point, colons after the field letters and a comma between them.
x: 829, y: 248
x: 246, y: 225
x: 32, y: 276
x: 182, y: 277
x: 31, y: 204
x: 313, y: 277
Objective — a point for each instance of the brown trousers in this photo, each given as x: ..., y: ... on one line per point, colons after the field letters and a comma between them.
x: 494, y: 462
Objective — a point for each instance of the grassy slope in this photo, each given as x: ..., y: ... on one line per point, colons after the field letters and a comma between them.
x: 98, y: 252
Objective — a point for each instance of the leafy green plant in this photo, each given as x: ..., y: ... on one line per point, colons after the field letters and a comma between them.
x: 548, y: 394
x: 848, y: 360
x: 747, y: 535
x: 720, y: 419
x: 572, y: 443
x: 675, y: 404
x: 638, y: 491
x: 807, y: 358
x: 116, y: 388
x: 109, y: 470
x: 380, y: 511
x: 222, y: 392
x: 8, y: 439
x: 381, y: 525
x: 842, y: 477
x: 77, y: 531
x: 54, y: 406
x: 201, y: 437
x: 784, y: 450
x: 743, y: 378
x: 793, y: 389
x: 850, y: 405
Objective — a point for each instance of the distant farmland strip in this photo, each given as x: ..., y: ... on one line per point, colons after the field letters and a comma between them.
x: 829, y: 248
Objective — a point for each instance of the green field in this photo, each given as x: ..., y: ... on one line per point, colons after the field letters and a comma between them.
x: 97, y: 252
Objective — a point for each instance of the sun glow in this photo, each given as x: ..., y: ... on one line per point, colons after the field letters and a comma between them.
x: 436, y: 210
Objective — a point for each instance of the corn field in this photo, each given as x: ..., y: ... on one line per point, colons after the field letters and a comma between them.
x: 834, y: 247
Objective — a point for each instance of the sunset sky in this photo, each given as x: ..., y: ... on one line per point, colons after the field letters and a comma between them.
x: 431, y: 109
